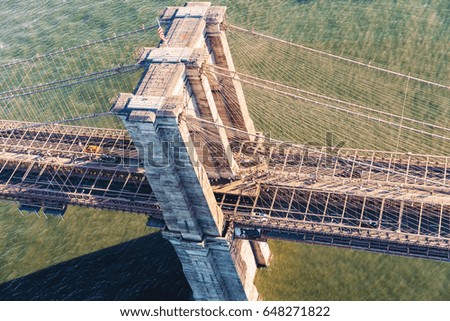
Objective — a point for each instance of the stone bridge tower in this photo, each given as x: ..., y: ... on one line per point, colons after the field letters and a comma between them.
x: 172, y: 87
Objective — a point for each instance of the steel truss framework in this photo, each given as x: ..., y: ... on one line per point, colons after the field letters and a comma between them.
x: 295, y: 210
x: 50, y: 166
x: 380, y: 201
x: 364, y: 165
x: 65, y: 141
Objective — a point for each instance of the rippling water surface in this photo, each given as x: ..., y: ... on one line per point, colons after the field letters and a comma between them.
x: 97, y: 255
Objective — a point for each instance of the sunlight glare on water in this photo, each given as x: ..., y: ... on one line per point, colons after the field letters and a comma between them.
x: 99, y: 255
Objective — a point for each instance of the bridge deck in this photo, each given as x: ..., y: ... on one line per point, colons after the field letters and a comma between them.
x: 357, y: 164
x: 299, y: 208
x: 76, y: 144
x: 370, y: 196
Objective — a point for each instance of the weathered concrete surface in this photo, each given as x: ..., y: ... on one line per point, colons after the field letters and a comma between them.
x: 218, y: 161
x: 242, y: 255
x: 209, y: 269
x: 173, y: 86
x: 261, y: 252
x: 234, y: 111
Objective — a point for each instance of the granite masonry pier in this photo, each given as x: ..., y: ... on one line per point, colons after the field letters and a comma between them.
x: 171, y: 88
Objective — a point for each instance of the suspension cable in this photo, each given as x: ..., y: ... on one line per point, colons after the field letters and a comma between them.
x: 329, y: 106
x: 323, y: 53
x: 70, y: 81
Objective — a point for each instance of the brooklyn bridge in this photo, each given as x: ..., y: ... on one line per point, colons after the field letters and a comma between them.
x: 218, y: 157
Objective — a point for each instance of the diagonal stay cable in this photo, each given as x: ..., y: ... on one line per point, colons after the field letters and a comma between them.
x: 338, y: 108
x: 71, y: 81
x: 309, y: 93
x: 49, y: 84
x: 90, y: 43
x: 57, y: 122
x: 348, y: 160
x: 323, y: 53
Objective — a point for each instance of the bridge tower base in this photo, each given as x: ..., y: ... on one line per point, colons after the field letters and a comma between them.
x: 215, y: 267
x: 261, y: 252
x: 210, y: 270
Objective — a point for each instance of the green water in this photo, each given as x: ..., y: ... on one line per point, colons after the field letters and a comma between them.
x: 309, y: 272
x: 409, y: 36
